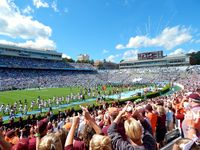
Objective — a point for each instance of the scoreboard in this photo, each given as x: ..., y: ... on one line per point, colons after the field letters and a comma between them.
x: 150, y: 55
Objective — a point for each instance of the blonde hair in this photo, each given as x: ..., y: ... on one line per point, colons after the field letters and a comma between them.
x: 50, y: 142
x: 160, y: 110
x: 100, y: 142
x: 62, y: 134
x: 133, y: 129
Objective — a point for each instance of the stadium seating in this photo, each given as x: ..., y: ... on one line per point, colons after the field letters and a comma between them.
x: 33, y: 63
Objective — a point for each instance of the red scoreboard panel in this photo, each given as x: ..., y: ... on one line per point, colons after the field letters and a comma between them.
x: 150, y: 55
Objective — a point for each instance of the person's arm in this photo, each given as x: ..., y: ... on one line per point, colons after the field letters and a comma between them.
x: 38, y: 139
x: 21, y: 134
x: 37, y: 135
x: 117, y: 140
x: 70, y: 136
x: 88, y: 117
x: 148, y: 140
x: 119, y: 116
x: 193, y: 125
x: 143, y: 121
x: 191, y: 133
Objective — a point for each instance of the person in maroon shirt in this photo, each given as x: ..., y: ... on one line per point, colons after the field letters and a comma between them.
x: 161, y: 128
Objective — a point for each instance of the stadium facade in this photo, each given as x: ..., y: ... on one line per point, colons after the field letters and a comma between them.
x: 156, y: 59
x: 10, y: 50
x: 28, y: 58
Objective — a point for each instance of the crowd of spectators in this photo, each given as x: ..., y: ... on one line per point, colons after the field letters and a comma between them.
x: 23, y: 79
x: 34, y: 63
x: 140, y: 126
x: 22, y: 73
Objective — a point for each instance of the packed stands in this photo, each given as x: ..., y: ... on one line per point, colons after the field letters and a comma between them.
x: 23, y: 78
x: 70, y: 74
x: 34, y: 63
x: 143, y: 125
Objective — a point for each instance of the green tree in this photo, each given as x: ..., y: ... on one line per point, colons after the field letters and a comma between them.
x: 68, y: 60
x: 195, y: 58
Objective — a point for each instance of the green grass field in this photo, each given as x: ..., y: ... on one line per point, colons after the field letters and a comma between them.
x: 9, y: 97
x: 12, y: 96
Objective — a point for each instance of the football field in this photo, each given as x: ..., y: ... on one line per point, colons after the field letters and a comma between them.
x: 9, y: 97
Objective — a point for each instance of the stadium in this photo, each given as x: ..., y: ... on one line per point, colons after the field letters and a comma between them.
x: 99, y: 75
x: 37, y: 84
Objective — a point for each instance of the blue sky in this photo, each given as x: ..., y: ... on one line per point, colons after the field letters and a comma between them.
x: 104, y: 29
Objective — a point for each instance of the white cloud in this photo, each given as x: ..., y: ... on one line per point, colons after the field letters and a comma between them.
x: 177, y: 52
x: 168, y: 38
x: 120, y: 46
x: 130, y: 54
x: 138, y: 41
x: 182, y: 51
x: 40, y: 3
x: 105, y: 51
x: 39, y: 43
x: 65, y: 56
x: 192, y: 50
x: 28, y: 10
x: 112, y: 58
x: 15, y: 25
x: 54, y: 6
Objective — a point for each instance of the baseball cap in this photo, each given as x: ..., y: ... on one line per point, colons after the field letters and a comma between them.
x: 42, y: 124
x: 194, y: 97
